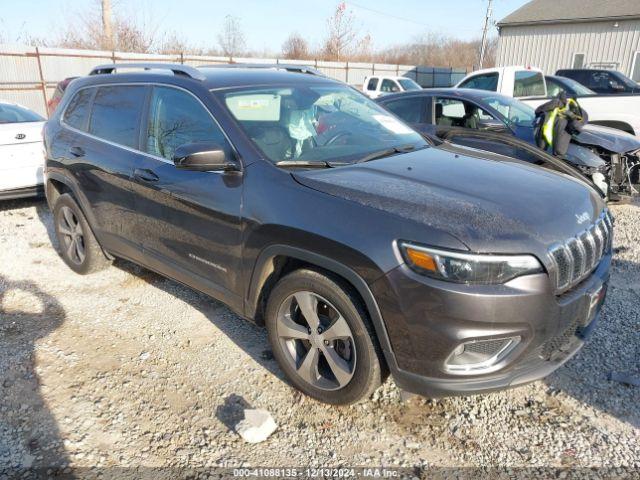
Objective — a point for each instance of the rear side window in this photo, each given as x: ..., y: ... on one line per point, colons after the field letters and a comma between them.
x: 528, y: 84
x: 408, y: 109
x: 176, y: 118
x: 77, y: 112
x: 600, y: 80
x: 116, y: 114
x: 373, y: 83
x: 486, y: 81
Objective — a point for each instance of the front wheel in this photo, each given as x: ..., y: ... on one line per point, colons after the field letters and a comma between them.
x: 321, y: 337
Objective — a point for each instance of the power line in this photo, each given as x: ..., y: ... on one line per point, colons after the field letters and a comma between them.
x: 379, y: 12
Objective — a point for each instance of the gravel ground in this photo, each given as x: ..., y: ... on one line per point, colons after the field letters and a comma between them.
x: 126, y: 368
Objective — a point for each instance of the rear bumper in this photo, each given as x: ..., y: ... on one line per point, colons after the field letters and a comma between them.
x: 426, y: 320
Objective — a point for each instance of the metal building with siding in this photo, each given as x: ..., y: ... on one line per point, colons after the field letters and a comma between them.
x: 553, y: 34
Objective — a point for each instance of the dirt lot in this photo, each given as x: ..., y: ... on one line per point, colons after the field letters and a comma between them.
x: 126, y: 368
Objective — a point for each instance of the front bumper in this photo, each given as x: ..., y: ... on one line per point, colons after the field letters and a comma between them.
x: 427, y: 319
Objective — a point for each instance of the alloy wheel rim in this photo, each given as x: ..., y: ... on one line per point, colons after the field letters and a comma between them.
x: 317, y: 340
x: 72, y: 236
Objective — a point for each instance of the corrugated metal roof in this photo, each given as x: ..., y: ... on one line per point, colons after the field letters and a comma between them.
x: 558, y: 11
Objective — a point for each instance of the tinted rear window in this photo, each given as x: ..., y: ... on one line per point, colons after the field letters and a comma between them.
x: 528, y: 84
x: 116, y: 114
x: 485, y: 81
x: 78, y: 110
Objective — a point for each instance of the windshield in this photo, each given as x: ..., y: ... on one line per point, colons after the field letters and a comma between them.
x: 320, y: 123
x: 626, y: 81
x: 514, y: 112
x: 409, y: 84
x: 17, y: 114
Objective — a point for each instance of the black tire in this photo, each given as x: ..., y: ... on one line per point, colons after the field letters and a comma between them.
x: 367, y: 363
x: 67, y: 216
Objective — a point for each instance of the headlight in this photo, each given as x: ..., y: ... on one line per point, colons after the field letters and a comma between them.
x: 467, y: 267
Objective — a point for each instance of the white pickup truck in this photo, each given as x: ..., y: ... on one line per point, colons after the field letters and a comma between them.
x: 529, y: 86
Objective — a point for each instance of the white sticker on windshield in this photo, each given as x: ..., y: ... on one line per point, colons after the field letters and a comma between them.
x: 392, y: 124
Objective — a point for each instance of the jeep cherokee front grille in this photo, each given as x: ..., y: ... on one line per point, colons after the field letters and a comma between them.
x: 577, y: 257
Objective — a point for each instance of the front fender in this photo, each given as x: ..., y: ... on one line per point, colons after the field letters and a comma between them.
x: 262, y: 269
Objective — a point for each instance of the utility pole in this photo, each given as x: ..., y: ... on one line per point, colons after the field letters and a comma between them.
x: 107, y: 31
x: 483, y: 45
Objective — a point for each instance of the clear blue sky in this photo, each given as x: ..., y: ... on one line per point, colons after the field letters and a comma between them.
x: 266, y: 23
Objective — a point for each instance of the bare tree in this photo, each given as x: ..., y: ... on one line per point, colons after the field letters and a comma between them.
x: 295, y: 47
x: 341, y: 35
x: 439, y: 51
x: 231, y: 39
x: 173, y: 43
x: 99, y: 27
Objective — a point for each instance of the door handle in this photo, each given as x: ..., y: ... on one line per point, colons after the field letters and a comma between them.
x: 77, y: 152
x: 145, y: 175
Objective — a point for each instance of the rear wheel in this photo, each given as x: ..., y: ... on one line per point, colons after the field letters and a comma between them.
x: 321, y: 337
x: 78, y: 246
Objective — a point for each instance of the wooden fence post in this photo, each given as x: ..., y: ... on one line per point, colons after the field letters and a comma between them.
x: 346, y: 72
x: 43, y: 84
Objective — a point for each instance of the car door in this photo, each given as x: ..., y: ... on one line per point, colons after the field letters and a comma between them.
x: 101, y: 156
x: 187, y: 221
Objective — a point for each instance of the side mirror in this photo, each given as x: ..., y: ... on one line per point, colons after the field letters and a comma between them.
x: 492, y: 125
x: 203, y: 157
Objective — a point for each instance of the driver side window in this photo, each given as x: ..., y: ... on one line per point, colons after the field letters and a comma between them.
x: 450, y: 112
x: 389, y: 86
x: 175, y: 118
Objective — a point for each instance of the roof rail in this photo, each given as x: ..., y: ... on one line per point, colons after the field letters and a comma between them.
x: 176, y: 68
x: 289, y: 67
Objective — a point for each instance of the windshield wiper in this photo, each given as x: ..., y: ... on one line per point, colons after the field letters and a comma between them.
x: 387, y: 152
x: 304, y: 163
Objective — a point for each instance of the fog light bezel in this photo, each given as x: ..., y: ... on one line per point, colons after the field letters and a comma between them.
x: 493, y: 363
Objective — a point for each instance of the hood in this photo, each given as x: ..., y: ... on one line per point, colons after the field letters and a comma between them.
x: 489, y: 205
x: 610, y: 139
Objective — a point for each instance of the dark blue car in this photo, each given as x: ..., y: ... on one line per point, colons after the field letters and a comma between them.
x: 487, y: 120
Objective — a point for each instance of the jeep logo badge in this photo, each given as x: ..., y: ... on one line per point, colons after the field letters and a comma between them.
x: 20, y: 136
x: 583, y: 217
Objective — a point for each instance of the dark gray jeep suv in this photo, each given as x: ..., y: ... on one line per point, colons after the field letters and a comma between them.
x: 308, y: 208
